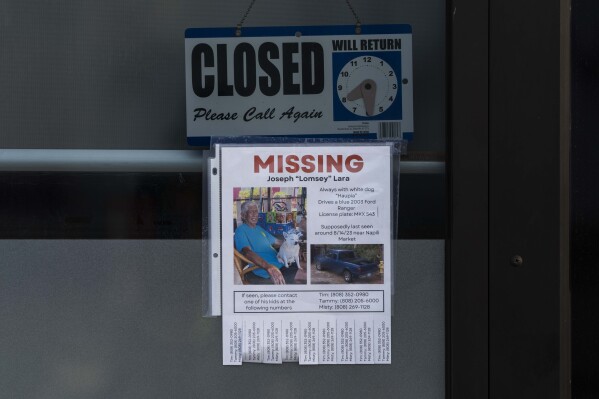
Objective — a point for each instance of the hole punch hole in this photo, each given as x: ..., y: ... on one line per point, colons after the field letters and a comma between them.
x: 214, y: 171
x: 215, y: 255
x: 298, y: 34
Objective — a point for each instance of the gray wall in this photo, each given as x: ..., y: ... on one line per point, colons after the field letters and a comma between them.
x: 122, y: 319
x: 110, y: 74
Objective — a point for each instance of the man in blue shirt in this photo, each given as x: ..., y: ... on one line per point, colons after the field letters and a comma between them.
x: 256, y: 244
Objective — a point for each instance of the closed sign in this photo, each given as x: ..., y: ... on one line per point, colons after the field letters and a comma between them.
x: 299, y: 81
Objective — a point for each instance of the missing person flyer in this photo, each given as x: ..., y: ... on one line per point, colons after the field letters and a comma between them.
x: 306, y: 253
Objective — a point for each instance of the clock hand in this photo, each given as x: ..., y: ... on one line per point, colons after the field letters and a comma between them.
x: 367, y: 92
x: 369, y: 95
x: 356, y: 93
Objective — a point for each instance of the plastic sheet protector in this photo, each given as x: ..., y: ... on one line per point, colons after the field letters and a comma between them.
x: 301, y: 252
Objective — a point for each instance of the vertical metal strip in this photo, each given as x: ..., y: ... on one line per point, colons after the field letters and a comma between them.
x: 467, y: 249
x: 525, y: 199
x: 565, y: 128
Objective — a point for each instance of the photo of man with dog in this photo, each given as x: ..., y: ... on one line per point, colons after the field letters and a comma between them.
x: 269, y: 235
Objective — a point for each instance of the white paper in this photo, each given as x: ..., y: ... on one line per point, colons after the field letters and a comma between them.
x: 332, y: 205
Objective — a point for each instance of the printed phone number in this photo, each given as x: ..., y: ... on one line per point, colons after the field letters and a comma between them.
x: 308, y: 301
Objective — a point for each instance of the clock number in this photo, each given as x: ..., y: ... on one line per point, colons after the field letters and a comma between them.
x: 354, y: 110
x: 345, y: 74
x: 343, y: 100
x: 394, y: 86
x: 381, y: 63
x: 380, y: 109
x: 339, y: 87
x: 367, y: 59
x: 391, y: 73
x: 354, y: 63
x: 391, y: 98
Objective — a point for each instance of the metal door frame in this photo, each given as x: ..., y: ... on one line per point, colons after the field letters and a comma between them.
x: 508, y: 106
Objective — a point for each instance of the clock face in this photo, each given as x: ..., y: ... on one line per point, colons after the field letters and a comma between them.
x: 367, y: 86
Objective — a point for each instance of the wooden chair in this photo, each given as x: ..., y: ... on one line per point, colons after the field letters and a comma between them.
x: 241, y: 262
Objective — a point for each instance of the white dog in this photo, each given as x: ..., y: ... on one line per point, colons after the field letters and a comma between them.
x: 289, y: 251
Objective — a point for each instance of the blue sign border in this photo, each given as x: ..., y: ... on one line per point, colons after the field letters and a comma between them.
x: 292, y: 30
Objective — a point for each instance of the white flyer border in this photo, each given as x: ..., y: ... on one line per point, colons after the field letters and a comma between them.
x: 373, y: 352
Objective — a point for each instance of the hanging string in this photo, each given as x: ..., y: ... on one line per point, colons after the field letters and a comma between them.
x: 358, y: 24
x: 247, y: 12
